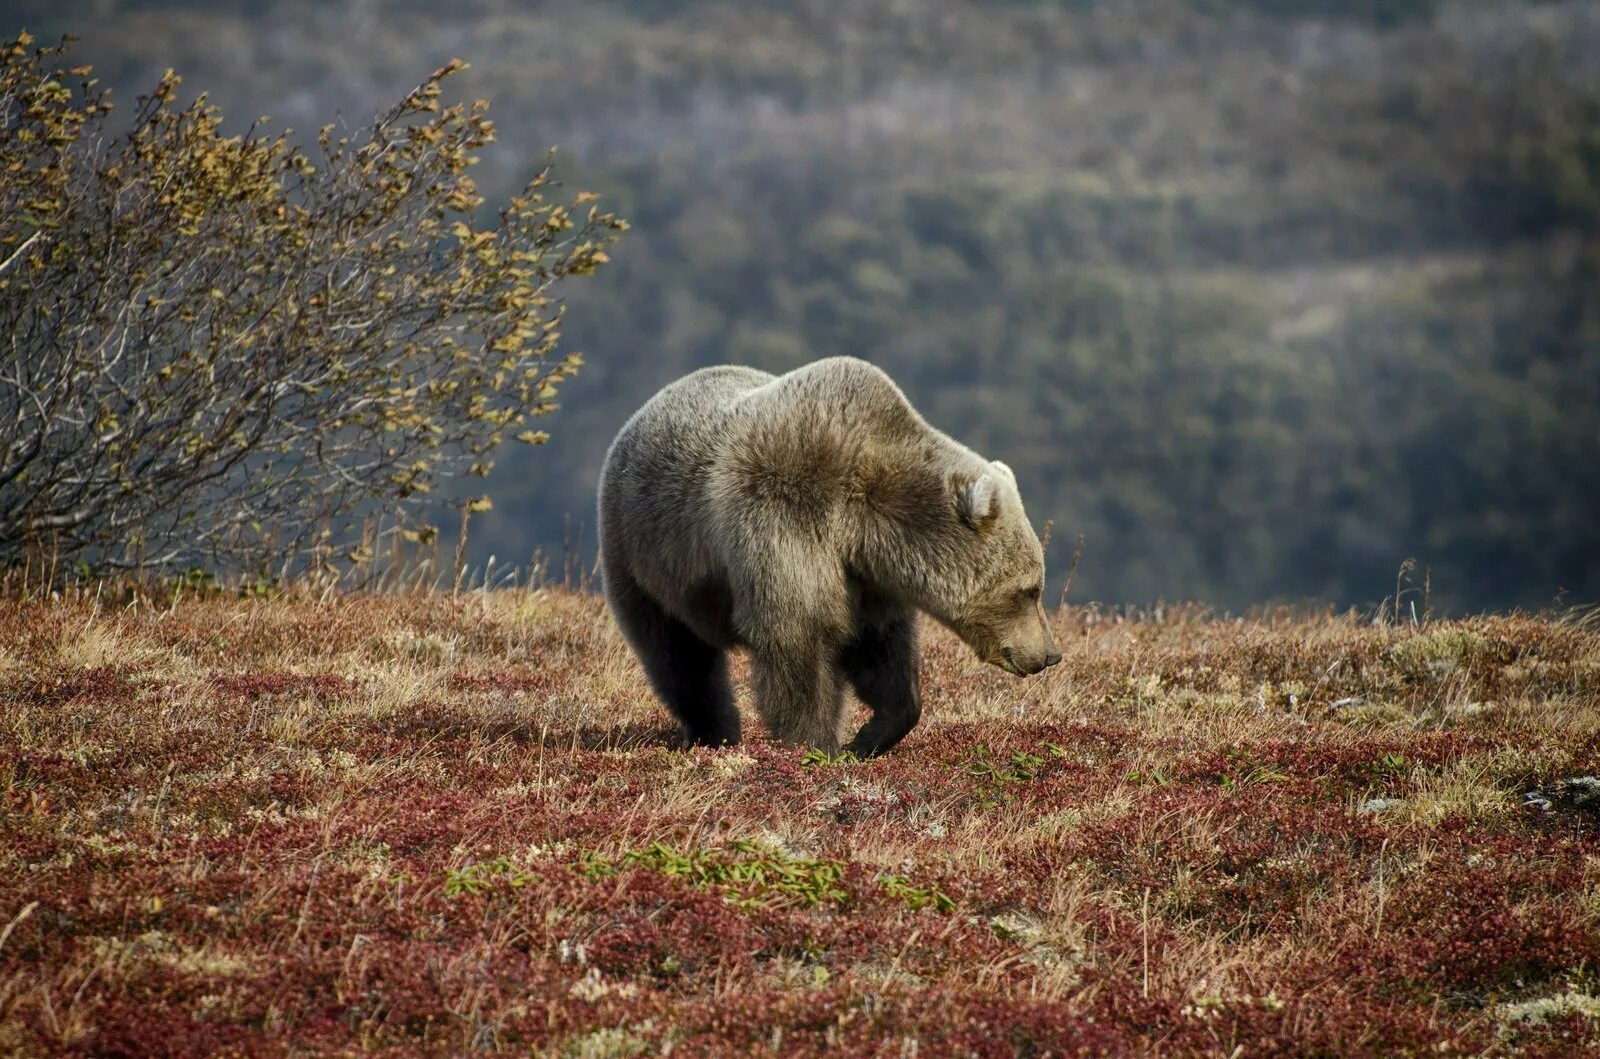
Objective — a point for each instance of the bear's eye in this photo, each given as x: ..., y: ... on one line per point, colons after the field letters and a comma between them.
x: 1029, y: 595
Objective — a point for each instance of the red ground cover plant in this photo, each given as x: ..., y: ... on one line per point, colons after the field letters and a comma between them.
x: 430, y: 825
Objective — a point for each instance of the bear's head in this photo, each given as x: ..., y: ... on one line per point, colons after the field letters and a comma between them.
x: 999, y: 577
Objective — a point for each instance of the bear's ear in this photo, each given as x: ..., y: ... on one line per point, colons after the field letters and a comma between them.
x: 977, y: 500
x: 1004, y: 470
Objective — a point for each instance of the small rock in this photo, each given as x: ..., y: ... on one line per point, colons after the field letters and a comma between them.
x: 1380, y: 805
x: 1535, y: 800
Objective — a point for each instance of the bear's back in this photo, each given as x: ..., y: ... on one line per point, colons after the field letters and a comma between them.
x: 804, y: 428
x: 844, y: 396
x: 728, y: 456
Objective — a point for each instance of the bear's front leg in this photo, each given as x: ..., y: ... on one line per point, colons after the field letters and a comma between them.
x: 799, y: 693
x: 881, y: 664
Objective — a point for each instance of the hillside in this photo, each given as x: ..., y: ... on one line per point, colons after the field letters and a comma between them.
x: 1262, y: 297
x: 425, y: 825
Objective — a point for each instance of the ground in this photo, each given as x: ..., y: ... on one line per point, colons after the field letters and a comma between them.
x: 425, y: 824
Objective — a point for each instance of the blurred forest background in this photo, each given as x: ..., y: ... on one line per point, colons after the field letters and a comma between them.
x: 1261, y: 297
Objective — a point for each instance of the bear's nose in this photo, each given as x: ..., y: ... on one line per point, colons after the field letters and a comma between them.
x: 1052, y: 658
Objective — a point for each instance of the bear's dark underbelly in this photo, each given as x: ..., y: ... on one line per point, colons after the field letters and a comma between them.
x: 708, y: 609
x: 709, y: 605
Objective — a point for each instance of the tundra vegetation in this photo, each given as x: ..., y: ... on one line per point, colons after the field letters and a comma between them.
x: 435, y: 824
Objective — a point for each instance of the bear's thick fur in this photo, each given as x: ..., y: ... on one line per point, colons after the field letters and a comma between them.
x: 806, y: 518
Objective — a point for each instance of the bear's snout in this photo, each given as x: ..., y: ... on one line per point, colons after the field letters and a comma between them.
x: 1024, y: 666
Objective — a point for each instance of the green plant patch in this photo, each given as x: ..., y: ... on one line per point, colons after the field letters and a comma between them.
x: 486, y: 875
x: 747, y: 874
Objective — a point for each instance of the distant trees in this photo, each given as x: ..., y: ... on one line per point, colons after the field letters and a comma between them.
x: 220, y: 348
x: 1260, y: 307
x: 1261, y: 297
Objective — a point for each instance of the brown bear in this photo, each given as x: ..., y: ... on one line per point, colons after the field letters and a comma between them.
x: 806, y: 518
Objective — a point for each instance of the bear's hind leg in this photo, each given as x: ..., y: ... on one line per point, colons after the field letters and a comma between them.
x: 689, y: 675
x: 881, y: 663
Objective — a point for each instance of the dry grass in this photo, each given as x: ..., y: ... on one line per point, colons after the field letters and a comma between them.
x: 426, y: 824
